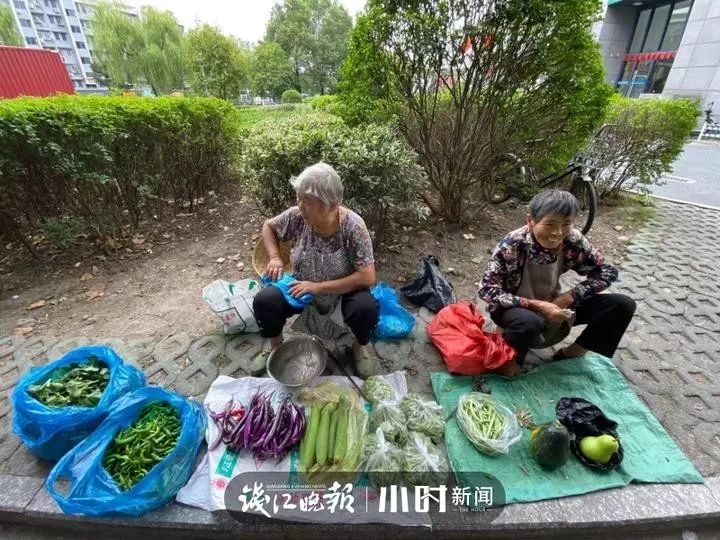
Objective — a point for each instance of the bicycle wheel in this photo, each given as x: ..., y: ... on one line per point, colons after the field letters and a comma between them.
x: 584, y: 190
x: 508, y: 174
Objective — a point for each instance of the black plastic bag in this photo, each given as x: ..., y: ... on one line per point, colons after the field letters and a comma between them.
x: 584, y: 419
x: 430, y: 288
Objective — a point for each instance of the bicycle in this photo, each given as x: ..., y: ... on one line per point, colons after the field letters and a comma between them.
x: 511, y: 173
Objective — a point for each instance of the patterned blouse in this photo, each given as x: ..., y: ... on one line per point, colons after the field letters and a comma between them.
x: 504, y: 271
x: 352, y: 236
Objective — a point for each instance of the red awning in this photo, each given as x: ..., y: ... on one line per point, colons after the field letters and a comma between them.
x: 647, y: 56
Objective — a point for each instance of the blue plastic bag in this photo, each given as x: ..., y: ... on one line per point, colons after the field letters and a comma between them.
x: 49, y: 432
x: 284, y: 285
x: 395, y: 321
x: 93, y: 492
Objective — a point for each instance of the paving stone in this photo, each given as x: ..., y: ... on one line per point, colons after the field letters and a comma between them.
x: 33, y: 352
x: 240, y: 351
x: 16, y: 492
x: 426, y: 315
x: 116, y: 344
x: 195, y: 379
x: 8, y: 345
x: 138, y: 350
x: 9, y: 443
x: 64, y: 346
x: 23, y: 463
x: 207, y: 348
x: 171, y: 348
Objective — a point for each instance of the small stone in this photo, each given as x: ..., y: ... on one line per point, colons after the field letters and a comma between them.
x: 623, y: 238
x: 77, y: 265
x: 86, y: 276
x: 476, y: 260
x: 220, y: 260
x: 240, y: 266
x: 85, y: 317
x: 618, y: 227
x: 469, y: 236
x: 95, y: 270
x: 15, y: 296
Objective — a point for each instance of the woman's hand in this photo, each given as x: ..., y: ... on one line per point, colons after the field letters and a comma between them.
x: 275, y: 268
x: 549, y: 311
x: 299, y: 288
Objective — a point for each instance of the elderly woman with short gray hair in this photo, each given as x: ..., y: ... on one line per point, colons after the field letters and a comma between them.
x: 332, y: 259
x: 521, y: 285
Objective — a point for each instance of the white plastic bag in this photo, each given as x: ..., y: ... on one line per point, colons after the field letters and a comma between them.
x: 232, y: 302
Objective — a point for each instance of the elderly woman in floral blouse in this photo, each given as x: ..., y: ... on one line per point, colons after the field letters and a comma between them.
x: 522, y: 285
x: 332, y: 259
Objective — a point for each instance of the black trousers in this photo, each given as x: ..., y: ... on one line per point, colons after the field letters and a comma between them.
x: 360, y: 310
x: 607, y: 316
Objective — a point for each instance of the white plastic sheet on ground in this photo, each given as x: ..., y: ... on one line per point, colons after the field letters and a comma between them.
x: 206, y: 488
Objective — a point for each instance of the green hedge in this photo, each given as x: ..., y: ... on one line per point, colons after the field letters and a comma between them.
x: 107, y: 161
x: 645, y: 138
x: 380, y: 172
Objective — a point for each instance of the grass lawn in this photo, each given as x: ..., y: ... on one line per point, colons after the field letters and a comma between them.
x: 250, y: 116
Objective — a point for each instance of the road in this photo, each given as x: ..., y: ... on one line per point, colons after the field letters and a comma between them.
x: 695, y: 176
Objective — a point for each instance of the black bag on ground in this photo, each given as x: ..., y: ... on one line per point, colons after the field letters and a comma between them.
x: 584, y: 419
x: 430, y: 288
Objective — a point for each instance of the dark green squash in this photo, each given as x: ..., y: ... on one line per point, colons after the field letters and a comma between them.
x: 550, y: 445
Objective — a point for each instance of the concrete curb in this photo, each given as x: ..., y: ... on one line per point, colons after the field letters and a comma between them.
x: 635, y: 508
x: 678, y: 201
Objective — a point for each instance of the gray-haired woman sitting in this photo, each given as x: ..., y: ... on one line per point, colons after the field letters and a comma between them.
x: 332, y: 259
x: 522, y: 284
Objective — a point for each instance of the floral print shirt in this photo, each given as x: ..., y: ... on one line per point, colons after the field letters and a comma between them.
x: 352, y: 237
x: 504, y: 271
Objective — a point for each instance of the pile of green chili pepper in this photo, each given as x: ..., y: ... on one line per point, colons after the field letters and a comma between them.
x: 138, y: 448
x: 74, y: 384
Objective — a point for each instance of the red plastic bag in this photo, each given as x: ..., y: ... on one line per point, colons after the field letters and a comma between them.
x: 457, y: 330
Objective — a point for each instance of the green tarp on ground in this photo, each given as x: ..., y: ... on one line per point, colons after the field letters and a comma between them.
x: 650, y: 454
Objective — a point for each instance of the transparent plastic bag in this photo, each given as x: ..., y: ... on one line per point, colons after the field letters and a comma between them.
x: 389, y: 418
x: 377, y: 389
x: 470, y: 411
x: 423, y: 416
x: 424, y: 463
x: 383, y: 460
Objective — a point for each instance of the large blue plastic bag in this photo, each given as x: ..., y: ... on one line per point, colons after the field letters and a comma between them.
x: 49, y: 432
x: 395, y: 321
x: 94, y: 492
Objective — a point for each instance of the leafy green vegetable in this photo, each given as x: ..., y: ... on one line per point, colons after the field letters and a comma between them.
x: 74, y: 384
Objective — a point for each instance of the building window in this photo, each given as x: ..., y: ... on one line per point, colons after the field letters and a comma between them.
x: 70, y: 12
x: 85, y: 60
x: 80, y: 45
x: 60, y: 36
x: 75, y: 29
x: 26, y: 23
x: 676, y: 26
x: 19, y: 4
x: 640, y: 31
x: 657, y: 28
x: 39, y: 19
x: 55, y: 19
x: 31, y: 41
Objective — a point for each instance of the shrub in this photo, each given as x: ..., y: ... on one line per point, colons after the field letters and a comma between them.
x: 379, y: 171
x: 327, y: 103
x: 646, y: 137
x: 62, y: 232
x: 109, y: 160
x: 291, y: 96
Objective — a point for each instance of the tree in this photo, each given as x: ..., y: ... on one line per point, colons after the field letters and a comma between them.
x: 9, y: 34
x: 216, y: 64
x: 133, y: 51
x: 475, y: 80
x: 272, y: 72
x: 314, y: 35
